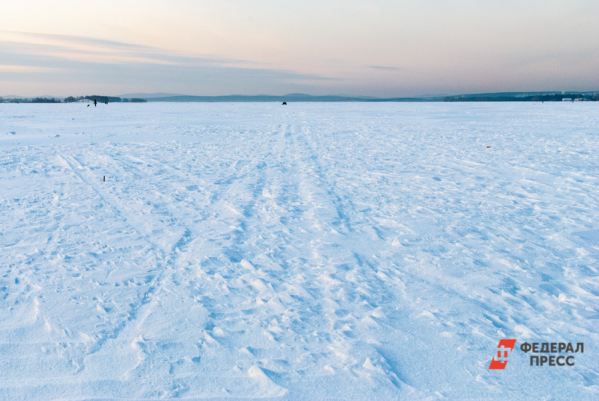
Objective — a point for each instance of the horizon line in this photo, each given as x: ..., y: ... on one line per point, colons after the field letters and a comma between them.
x: 157, y: 95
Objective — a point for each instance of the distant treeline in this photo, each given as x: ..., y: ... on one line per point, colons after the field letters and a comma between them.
x: 526, y: 97
x: 30, y: 100
x: 299, y: 97
x: 72, y: 99
x: 480, y: 97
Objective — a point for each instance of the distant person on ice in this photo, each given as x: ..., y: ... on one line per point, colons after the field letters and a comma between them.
x: 95, y: 103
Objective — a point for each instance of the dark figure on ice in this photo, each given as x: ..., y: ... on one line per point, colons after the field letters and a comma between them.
x: 284, y: 103
x: 95, y: 103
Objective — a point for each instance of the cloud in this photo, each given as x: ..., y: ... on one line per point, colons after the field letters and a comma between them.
x: 81, y: 40
x: 386, y: 68
x: 93, y: 62
x: 19, y: 69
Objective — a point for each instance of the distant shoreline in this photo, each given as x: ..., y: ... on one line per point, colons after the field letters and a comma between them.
x: 480, y: 97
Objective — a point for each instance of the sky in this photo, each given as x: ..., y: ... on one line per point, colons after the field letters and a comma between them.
x: 345, y: 47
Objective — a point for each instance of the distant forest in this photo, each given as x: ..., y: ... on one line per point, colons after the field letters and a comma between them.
x: 526, y: 97
x: 72, y: 99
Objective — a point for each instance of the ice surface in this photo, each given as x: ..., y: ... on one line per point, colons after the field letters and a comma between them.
x: 308, y: 252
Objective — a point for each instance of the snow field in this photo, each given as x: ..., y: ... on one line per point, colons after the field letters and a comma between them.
x: 308, y: 252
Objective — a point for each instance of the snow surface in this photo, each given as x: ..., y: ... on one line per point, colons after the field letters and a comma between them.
x: 308, y: 252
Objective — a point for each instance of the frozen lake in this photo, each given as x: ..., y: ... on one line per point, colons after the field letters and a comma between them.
x: 309, y: 252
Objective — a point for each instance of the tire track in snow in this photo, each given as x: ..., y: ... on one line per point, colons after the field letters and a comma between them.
x: 379, y: 291
x: 141, y: 309
x: 136, y: 310
x: 362, y: 358
x: 241, y: 232
x: 76, y: 167
x: 225, y: 322
x: 380, y: 280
